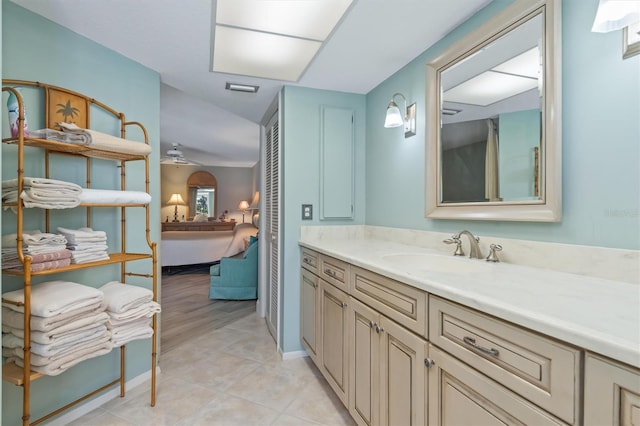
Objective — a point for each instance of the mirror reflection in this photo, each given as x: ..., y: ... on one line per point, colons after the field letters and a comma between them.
x: 491, y: 120
x: 201, y: 193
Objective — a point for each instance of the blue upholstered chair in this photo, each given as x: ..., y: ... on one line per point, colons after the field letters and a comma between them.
x: 236, y: 278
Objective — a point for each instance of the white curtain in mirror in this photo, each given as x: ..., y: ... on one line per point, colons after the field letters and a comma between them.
x: 491, y: 182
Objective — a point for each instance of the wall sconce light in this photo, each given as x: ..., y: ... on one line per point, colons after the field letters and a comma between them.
x: 244, y: 206
x: 176, y: 200
x: 614, y: 15
x: 395, y: 118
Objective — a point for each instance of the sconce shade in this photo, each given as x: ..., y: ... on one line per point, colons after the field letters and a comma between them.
x: 244, y: 205
x: 614, y: 15
x: 394, y: 117
x: 176, y: 199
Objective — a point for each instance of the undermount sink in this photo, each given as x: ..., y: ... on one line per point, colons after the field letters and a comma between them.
x: 436, y: 263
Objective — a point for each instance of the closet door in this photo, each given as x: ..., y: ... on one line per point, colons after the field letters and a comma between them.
x: 272, y: 205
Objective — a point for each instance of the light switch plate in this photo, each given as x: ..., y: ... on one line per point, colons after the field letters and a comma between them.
x: 307, y: 211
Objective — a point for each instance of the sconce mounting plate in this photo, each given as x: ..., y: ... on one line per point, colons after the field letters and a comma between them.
x: 410, y: 121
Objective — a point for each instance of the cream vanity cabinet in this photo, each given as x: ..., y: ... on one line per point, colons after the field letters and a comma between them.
x: 323, y: 307
x: 612, y: 392
x: 487, y: 371
x: 414, y: 358
x: 386, y: 381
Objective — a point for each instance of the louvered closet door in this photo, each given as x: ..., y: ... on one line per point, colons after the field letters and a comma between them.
x: 272, y: 192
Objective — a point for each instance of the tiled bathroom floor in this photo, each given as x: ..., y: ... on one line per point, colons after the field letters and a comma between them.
x: 230, y: 376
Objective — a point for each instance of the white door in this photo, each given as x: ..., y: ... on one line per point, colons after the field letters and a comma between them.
x: 272, y: 222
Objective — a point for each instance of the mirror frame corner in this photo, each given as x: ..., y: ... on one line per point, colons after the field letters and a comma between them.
x: 549, y: 209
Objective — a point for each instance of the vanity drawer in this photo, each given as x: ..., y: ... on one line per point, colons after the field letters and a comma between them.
x: 400, y: 302
x: 309, y: 260
x: 335, y: 272
x: 542, y: 370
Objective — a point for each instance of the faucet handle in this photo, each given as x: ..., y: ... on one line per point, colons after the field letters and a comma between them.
x: 455, y: 239
x: 493, y: 256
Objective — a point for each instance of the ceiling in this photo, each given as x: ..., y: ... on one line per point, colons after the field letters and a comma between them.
x: 375, y: 39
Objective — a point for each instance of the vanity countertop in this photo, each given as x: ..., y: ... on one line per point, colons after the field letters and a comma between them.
x: 599, y: 315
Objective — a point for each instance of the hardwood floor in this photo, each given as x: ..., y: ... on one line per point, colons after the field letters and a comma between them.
x: 187, y: 311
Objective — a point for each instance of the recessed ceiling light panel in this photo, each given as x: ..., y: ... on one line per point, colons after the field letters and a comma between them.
x: 489, y: 87
x: 261, y: 54
x: 313, y: 19
x: 275, y: 39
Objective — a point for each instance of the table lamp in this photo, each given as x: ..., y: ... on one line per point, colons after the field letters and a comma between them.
x: 176, y: 200
x: 244, y: 206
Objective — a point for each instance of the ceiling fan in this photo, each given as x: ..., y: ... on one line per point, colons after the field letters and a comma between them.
x: 175, y: 156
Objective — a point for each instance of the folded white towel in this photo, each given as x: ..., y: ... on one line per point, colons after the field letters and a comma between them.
x: 11, y: 240
x: 61, y: 365
x: 16, y: 319
x: 121, y: 327
x: 40, y: 360
x: 68, y: 344
x: 55, y: 297
x: 106, y: 196
x: 134, y: 334
x: 42, y: 183
x: 119, y: 297
x: 73, y: 234
x: 87, y: 247
x: 58, y: 335
x: 89, y: 257
x: 146, y: 310
x: 65, y: 345
x: 108, y: 142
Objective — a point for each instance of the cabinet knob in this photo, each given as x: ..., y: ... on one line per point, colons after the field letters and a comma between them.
x: 428, y: 362
x: 371, y: 324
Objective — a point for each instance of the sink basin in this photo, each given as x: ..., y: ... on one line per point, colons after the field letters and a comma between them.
x: 436, y: 263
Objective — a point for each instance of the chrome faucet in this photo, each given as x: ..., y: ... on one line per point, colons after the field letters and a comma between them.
x: 473, y: 244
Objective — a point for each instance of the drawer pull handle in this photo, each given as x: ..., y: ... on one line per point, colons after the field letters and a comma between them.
x: 472, y: 342
x: 306, y: 260
x: 330, y: 272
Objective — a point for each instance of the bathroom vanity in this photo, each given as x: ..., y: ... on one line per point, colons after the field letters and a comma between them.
x: 410, y: 335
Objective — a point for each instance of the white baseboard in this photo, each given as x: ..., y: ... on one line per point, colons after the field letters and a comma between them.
x: 81, y: 410
x: 293, y: 355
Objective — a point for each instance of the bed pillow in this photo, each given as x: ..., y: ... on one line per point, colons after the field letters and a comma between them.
x: 200, y: 217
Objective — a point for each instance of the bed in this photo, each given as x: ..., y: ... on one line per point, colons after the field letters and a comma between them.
x: 193, y: 247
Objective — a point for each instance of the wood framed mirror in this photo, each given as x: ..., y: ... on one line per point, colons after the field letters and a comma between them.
x: 493, y: 120
x: 202, y: 194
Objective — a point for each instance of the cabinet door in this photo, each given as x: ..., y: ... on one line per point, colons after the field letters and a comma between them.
x: 402, y: 390
x: 611, y: 394
x: 310, y: 314
x: 364, y: 368
x: 460, y: 395
x: 335, y: 344
x: 336, y: 164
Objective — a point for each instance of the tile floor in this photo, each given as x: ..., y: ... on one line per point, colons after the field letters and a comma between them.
x: 231, y: 376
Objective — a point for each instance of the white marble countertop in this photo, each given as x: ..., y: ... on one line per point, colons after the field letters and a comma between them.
x: 598, y: 315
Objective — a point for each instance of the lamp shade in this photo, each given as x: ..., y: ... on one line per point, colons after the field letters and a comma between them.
x: 176, y: 199
x: 394, y: 118
x: 244, y: 205
x: 614, y: 15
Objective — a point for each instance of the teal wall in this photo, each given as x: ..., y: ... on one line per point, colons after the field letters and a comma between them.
x: 519, y: 134
x: 601, y: 143
x: 37, y: 49
x: 300, y: 172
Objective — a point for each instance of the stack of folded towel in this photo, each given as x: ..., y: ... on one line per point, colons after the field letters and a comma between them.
x: 86, y: 245
x: 105, y: 141
x: 68, y: 325
x: 42, y: 192
x: 130, y: 310
x: 47, y: 251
